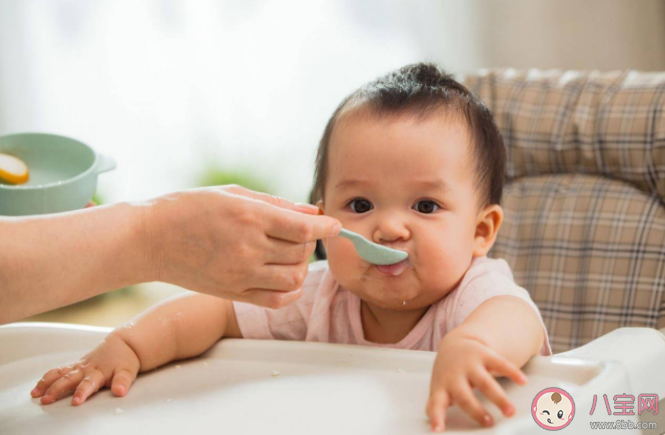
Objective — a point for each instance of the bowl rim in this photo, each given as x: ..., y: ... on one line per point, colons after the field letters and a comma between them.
x: 54, y: 183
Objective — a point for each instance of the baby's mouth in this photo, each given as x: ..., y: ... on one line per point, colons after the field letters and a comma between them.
x: 393, y: 269
x: 549, y: 421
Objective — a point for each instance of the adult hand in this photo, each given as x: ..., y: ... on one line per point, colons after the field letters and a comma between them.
x: 234, y: 243
x: 223, y: 241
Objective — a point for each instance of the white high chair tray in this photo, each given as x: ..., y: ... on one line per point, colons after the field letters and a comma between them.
x: 278, y: 387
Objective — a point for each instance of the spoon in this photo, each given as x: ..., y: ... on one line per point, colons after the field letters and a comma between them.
x: 373, y: 252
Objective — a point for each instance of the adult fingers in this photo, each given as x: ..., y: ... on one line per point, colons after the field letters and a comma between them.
x: 49, y: 378
x: 122, y: 380
x: 502, y: 366
x: 273, y: 200
x: 466, y: 400
x: 281, y: 252
x: 280, y: 277
x: 436, y: 410
x: 298, y: 227
x: 65, y: 384
x: 270, y: 298
x: 491, y: 389
x: 89, y: 385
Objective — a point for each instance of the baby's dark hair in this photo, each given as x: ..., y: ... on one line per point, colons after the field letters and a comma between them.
x: 423, y: 90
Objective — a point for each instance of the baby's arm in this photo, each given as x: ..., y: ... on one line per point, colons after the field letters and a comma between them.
x: 498, y: 337
x: 507, y: 325
x: 181, y: 327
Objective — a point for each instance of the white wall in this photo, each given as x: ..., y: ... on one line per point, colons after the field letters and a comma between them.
x: 573, y: 34
x: 166, y: 86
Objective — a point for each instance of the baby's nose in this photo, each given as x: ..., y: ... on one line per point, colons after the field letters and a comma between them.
x: 391, y: 230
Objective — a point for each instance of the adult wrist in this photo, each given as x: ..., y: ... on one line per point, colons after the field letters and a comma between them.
x: 145, y: 237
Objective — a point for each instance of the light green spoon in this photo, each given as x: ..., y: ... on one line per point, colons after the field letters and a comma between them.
x: 372, y: 252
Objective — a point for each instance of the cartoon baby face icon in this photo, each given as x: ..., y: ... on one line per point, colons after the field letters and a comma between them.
x: 553, y: 409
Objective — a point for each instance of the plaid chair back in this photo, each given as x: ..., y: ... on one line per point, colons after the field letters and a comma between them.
x: 584, y: 226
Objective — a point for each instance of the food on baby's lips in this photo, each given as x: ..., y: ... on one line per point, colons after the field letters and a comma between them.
x: 13, y: 170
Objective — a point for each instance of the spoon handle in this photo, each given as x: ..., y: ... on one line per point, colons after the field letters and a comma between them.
x: 354, y: 237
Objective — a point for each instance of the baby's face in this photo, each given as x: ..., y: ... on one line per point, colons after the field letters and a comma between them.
x: 408, y: 184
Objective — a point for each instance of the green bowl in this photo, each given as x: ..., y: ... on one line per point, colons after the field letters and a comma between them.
x: 63, y: 174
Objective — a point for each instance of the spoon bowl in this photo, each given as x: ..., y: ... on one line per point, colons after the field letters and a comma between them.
x: 373, y: 252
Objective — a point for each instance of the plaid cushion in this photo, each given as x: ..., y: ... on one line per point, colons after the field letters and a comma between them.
x: 585, y: 223
x: 610, y: 124
x: 590, y: 251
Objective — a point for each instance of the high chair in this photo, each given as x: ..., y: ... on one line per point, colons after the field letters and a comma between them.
x: 584, y: 232
x: 584, y: 226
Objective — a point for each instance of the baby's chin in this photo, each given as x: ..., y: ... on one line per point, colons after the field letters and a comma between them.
x: 395, y: 295
x: 413, y: 288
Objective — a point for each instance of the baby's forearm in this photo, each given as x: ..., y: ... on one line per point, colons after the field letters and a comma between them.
x: 181, y: 327
x: 517, y: 336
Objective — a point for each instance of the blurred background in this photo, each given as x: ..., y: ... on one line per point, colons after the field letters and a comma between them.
x: 201, y: 92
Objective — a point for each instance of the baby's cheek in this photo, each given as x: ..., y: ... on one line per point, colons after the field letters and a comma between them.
x: 441, y: 266
x: 437, y: 260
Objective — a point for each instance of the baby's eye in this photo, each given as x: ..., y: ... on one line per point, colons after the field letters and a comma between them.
x: 426, y: 206
x: 560, y: 413
x: 360, y: 205
x: 545, y: 411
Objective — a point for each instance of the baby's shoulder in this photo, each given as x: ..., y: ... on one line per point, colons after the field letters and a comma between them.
x: 488, y: 271
x: 315, y: 273
x: 484, y: 277
x: 317, y: 280
x: 317, y: 266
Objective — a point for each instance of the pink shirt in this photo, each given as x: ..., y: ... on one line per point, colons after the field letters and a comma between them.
x: 328, y: 313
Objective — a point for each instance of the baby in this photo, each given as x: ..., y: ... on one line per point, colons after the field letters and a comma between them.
x: 412, y: 161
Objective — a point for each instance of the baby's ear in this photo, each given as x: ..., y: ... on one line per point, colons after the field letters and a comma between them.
x: 487, y: 227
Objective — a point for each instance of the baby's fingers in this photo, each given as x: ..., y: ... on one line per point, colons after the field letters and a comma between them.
x: 436, y: 410
x: 63, y: 385
x: 88, y: 386
x: 49, y: 378
x: 465, y: 399
x: 122, y: 380
x: 502, y: 366
x: 487, y: 385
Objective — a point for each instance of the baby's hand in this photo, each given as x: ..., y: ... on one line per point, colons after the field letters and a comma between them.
x: 464, y: 363
x: 112, y: 364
